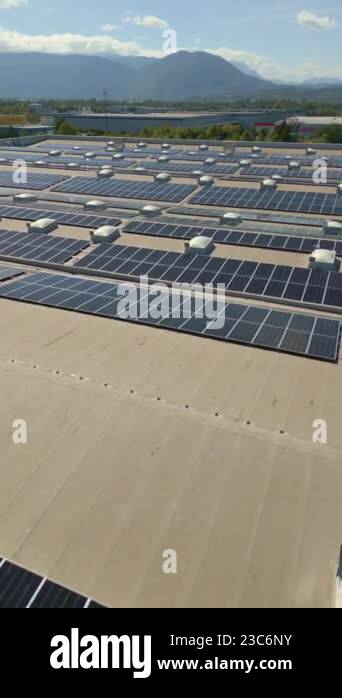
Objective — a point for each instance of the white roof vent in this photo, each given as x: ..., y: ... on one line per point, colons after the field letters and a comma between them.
x: 339, y: 190
x: 191, y: 152
x: 200, y: 244
x: 25, y: 198
x: 165, y: 146
x: 230, y: 218
x: 110, y: 143
x: 203, y: 146
x: 110, y: 149
x: 256, y: 149
x: 162, y: 177
x: 255, y: 156
x: 310, y: 151
x: 205, y: 180
x: 268, y: 184
x: 105, y: 172
x: 118, y: 156
x: 294, y: 165
x: 210, y: 161
x: 142, y: 144
x: 76, y: 147
x: 73, y: 165
x: 245, y: 163
x: 95, y: 205
x: 3, y: 159
x: 40, y: 162
x: 54, y: 153
x: 197, y: 173
x: 140, y: 168
x: 163, y: 158
x: 42, y: 225
x: 323, y: 259
x: 276, y: 177
x: 90, y: 154
x: 106, y: 233
x: 332, y: 228
x: 150, y: 210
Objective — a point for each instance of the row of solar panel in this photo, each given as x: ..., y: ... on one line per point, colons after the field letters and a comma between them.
x: 226, y: 236
x: 307, y: 202
x: 32, y: 180
x: 332, y: 174
x: 33, y: 247
x: 35, y: 161
x: 307, y: 335
x: 126, y: 188
x: 9, y: 272
x: 286, y: 283
x: 282, y: 218
x: 247, y: 225
x: 188, y: 167
x: 82, y: 220
x: 20, y: 588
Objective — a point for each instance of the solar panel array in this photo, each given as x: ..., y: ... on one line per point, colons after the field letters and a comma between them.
x: 83, y: 220
x: 289, y: 243
x: 307, y: 173
x: 9, y: 272
x: 327, y: 204
x: 308, y: 335
x: 36, y: 247
x: 21, y: 588
x: 187, y: 167
x: 127, y: 189
x: 34, y: 180
x: 282, y: 218
x: 270, y: 281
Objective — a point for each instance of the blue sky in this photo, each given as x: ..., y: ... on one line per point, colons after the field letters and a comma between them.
x: 282, y: 39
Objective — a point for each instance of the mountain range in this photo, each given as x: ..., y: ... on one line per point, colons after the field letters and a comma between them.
x: 182, y: 76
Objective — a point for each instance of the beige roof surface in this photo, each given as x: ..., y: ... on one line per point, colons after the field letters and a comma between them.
x: 143, y: 440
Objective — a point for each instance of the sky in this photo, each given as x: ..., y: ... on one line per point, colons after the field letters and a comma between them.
x: 281, y: 39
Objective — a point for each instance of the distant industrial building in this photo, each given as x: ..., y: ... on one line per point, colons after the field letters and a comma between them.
x: 309, y: 125
x: 133, y: 122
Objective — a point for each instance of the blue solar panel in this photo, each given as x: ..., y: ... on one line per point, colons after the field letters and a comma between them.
x: 317, y: 203
x: 229, y: 236
x: 282, y: 282
x: 83, y: 220
x: 127, y: 189
x: 9, y: 272
x: 306, y: 173
x: 21, y: 588
x: 187, y: 168
x: 35, y: 247
x: 34, y: 180
x: 244, y: 324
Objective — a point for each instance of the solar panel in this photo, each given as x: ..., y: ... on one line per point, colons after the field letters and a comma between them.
x: 21, y: 588
x: 33, y: 247
x: 228, y: 236
x: 244, y: 324
x: 127, y: 189
x: 187, y: 167
x: 270, y: 281
x: 83, y: 220
x: 318, y: 203
x: 34, y: 180
x: 9, y: 272
x: 249, y: 216
x: 306, y: 173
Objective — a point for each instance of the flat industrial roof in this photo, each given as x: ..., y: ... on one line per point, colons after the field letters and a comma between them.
x: 143, y: 440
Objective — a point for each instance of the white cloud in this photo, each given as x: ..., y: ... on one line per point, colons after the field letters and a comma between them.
x: 147, y: 21
x: 277, y: 71
x: 316, y: 21
x: 109, y: 28
x: 71, y: 43
x: 5, y: 4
